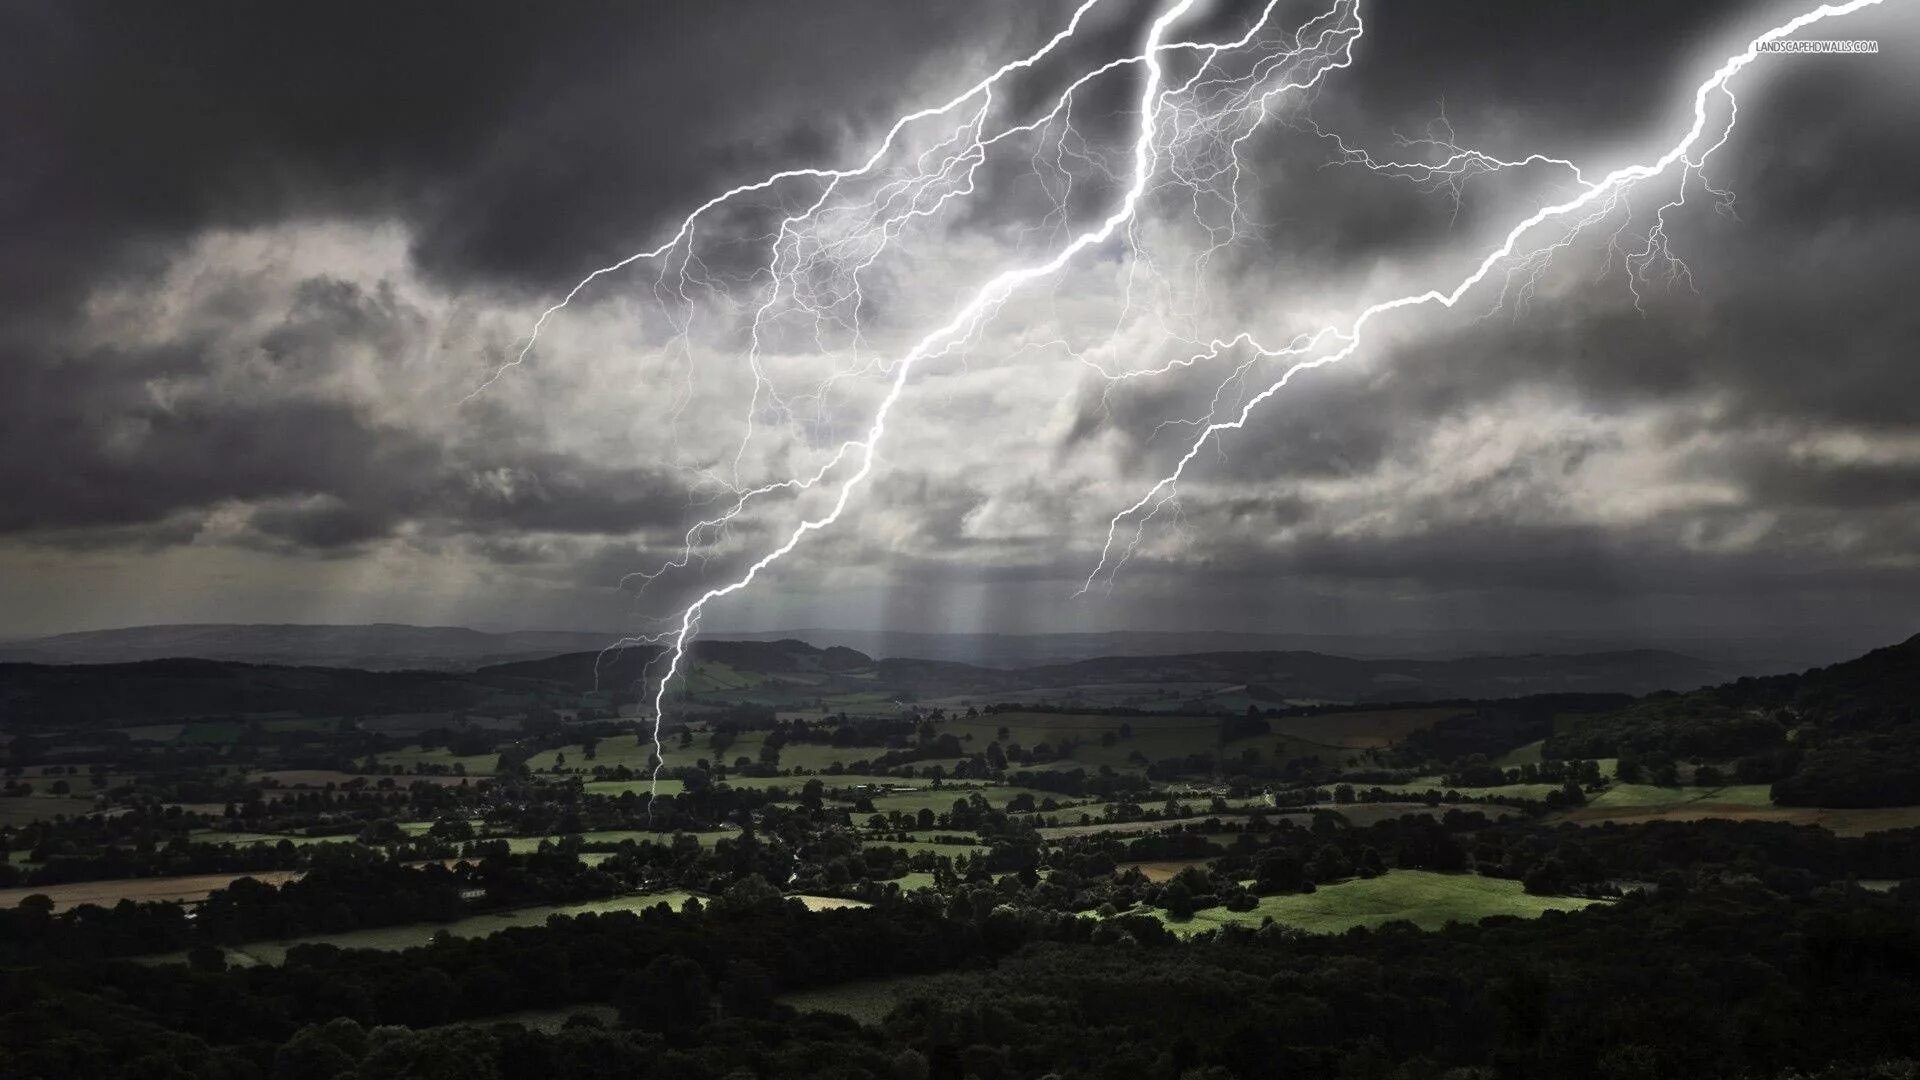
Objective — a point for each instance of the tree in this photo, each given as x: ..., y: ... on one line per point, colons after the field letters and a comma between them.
x: 996, y: 757
x: 1279, y: 872
x: 669, y: 995
x: 1177, y: 899
x: 749, y: 893
x: 748, y: 990
x: 1547, y: 878
x: 312, y: 1055
x: 1329, y: 864
x: 207, y: 958
x: 912, y: 1064
x: 1368, y: 864
x: 1343, y: 794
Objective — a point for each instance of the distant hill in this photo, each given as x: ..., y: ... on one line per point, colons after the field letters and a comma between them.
x: 606, y: 668
x: 369, y: 647
x: 80, y: 696
x: 1847, y: 734
x: 399, y: 647
x: 1275, y: 677
x: 442, y: 672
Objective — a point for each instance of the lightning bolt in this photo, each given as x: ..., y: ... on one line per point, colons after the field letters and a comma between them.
x: 1193, y: 126
x: 1598, y: 200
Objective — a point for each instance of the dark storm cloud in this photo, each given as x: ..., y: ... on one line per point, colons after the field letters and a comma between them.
x: 328, y: 474
x: 517, y: 145
x: 526, y: 142
x: 93, y: 445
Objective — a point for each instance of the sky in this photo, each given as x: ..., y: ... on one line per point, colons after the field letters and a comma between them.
x: 266, y: 271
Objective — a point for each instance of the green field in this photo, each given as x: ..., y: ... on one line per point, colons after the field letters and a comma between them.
x: 25, y: 809
x: 829, y: 781
x: 1426, y: 899
x: 211, y: 732
x: 806, y: 757
x: 1522, y: 755
x: 642, y: 787
x: 440, y: 756
x: 1421, y: 787
x: 520, y: 845
x: 394, y: 938
x: 237, y: 839
x: 633, y: 751
x: 941, y: 800
x: 918, y: 847
x: 1622, y: 795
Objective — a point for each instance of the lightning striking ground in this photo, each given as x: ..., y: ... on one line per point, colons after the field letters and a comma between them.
x: 1199, y: 105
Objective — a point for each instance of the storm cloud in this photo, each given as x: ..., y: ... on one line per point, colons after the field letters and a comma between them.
x: 253, y: 260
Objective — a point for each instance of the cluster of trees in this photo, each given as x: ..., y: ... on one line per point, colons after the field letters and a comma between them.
x: 1728, y: 981
x: 1844, y: 735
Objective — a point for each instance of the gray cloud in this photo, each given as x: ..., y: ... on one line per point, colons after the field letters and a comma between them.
x: 254, y: 259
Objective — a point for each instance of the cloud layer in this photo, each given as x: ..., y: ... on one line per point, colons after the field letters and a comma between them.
x: 253, y: 264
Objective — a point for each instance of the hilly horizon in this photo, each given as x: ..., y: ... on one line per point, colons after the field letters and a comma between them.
x: 794, y: 674
x: 400, y: 646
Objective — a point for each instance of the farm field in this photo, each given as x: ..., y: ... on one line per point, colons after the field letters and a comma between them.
x: 420, y: 828
x: 1426, y: 899
x: 1055, y: 832
x: 25, y: 809
x: 240, y: 839
x: 941, y: 799
x: 1421, y: 787
x: 804, y: 756
x: 1163, y: 870
x: 829, y: 903
x: 663, y: 786
x: 919, y: 847
x: 828, y: 781
x: 520, y: 845
x: 440, y: 756
x: 318, y: 779
x: 1647, y: 795
x: 1522, y: 755
x: 186, y: 888
x: 631, y: 751
x: 394, y: 938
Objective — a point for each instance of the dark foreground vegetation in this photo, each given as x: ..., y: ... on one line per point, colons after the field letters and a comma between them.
x: 1722, y: 981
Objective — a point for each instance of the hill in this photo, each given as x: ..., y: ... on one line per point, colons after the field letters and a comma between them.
x: 1842, y: 735
x: 38, y: 697
x: 607, y: 668
x: 370, y: 647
